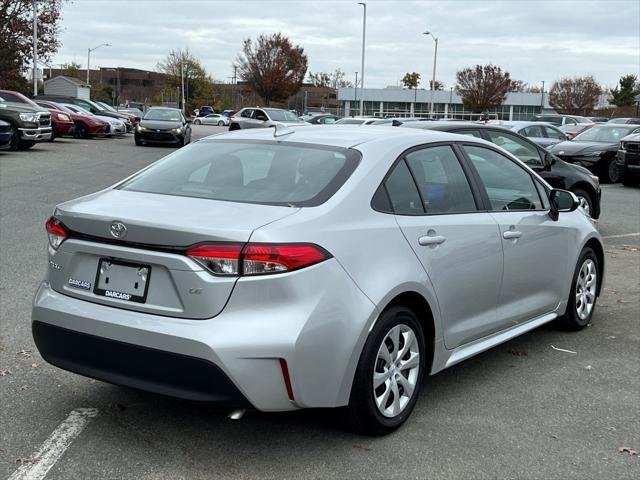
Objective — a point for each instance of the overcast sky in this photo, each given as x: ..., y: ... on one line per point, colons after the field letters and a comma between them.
x: 534, y: 40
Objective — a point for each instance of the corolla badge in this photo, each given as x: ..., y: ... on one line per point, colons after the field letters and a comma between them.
x: 118, y: 230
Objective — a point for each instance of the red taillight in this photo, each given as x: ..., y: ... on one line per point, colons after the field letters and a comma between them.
x: 287, y: 379
x: 256, y: 258
x: 55, y: 232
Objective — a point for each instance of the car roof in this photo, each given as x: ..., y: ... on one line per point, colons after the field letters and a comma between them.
x: 517, y: 123
x: 345, y: 136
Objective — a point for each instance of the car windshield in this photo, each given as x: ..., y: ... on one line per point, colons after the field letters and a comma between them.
x: 350, y: 121
x: 604, y: 134
x: 282, y: 115
x: 163, y: 114
x: 77, y: 109
x: 107, y: 107
x: 250, y: 172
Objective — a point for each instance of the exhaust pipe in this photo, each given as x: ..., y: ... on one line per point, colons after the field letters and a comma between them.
x: 236, y: 414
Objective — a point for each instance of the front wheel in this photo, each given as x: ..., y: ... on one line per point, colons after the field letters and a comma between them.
x: 388, y: 377
x: 610, y: 172
x: 584, y: 292
x: 584, y: 199
x: 197, y: 122
x: 81, y: 131
x: 234, y: 126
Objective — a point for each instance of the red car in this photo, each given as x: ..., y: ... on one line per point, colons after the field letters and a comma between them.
x: 61, y: 123
x: 85, y: 126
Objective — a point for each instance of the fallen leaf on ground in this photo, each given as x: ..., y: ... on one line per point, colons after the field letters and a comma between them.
x: 34, y: 365
x: 362, y: 447
x: 5, y: 372
x: 588, y: 367
x: 24, y: 353
x: 23, y: 460
x: 630, y: 451
x: 562, y: 350
x: 24, y: 387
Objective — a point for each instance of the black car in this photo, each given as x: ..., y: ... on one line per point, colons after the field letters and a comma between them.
x: 628, y: 160
x: 596, y: 149
x: 324, y: 119
x: 6, y: 135
x: 163, y: 125
x: 557, y: 173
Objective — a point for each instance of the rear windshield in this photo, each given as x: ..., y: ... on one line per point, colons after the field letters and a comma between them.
x: 604, y: 134
x: 250, y: 172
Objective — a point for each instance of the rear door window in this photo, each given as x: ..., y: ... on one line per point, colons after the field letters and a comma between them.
x: 441, y: 180
x: 402, y: 190
x: 517, y: 147
x: 554, y: 133
x: 533, y: 131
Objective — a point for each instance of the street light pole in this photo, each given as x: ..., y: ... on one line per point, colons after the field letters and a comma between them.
x: 89, y: 50
x: 542, y: 97
x: 433, y: 80
x: 364, y: 29
x: 355, y: 94
x: 35, y: 49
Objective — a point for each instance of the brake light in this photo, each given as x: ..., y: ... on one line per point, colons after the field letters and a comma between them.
x: 56, y: 232
x: 256, y: 258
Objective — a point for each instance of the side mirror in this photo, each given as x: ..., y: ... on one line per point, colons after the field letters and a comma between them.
x: 548, y: 159
x: 562, y: 201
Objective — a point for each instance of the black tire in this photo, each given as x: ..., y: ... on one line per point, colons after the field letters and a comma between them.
x: 571, y: 320
x: 53, y: 133
x: 26, y: 144
x: 362, y: 413
x: 234, y: 126
x: 629, y: 181
x: 583, y: 194
x: 81, y: 131
x: 138, y: 142
x: 15, y: 140
x: 197, y: 122
x: 221, y: 123
x: 609, y: 171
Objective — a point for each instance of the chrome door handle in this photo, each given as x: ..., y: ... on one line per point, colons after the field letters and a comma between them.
x: 511, y: 234
x: 431, y: 240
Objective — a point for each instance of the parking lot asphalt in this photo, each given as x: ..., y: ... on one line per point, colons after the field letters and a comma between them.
x: 521, y: 410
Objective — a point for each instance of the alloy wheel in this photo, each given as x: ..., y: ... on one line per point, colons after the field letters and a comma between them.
x: 583, y: 203
x: 586, y: 284
x: 396, y: 370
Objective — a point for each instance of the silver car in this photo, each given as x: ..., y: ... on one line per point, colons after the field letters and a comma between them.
x: 264, y: 118
x: 212, y: 119
x: 540, y: 133
x: 320, y: 267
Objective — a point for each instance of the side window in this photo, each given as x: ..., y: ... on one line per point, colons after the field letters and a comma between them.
x: 259, y: 115
x: 508, y: 186
x: 441, y: 180
x: 532, y: 131
x: 517, y: 147
x: 403, y: 194
x: 246, y: 113
x: 553, y: 133
x: 471, y: 133
x: 328, y: 120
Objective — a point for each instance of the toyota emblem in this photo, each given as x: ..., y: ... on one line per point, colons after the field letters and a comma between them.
x: 118, y: 230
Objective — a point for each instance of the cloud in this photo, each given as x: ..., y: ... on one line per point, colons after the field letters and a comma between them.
x: 534, y: 41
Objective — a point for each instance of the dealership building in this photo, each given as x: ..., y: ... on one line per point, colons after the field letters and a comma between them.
x: 402, y: 102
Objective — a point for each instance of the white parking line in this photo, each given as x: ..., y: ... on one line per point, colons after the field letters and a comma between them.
x: 623, y: 235
x: 54, y: 446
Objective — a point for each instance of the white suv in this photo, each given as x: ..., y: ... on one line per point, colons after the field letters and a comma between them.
x: 263, y: 118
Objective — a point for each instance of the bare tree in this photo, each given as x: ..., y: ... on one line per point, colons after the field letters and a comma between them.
x: 330, y: 80
x: 483, y: 87
x: 575, y: 96
x: 272, y: 66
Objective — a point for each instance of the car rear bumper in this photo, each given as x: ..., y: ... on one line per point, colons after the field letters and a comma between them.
x: 314, y: 319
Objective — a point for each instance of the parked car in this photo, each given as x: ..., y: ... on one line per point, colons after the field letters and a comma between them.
x: 599, y: 119
x: 557, y: 173
x: 559, y: 120
x: 264, y: 118
x: 116, y: 125
x: 134, y: 111
x: 204, y: 111
x: 30, y: 125
x: 357, y: 120
x: 163, y: 125
x: 133, y: 118
x: 571, y: 130
x: 324, y: 119
x: 213, y: 119
x: 84, y: 126
x: 241, y: 270
x: 540, y: 133
x: 628, y: 160
x: 596, y: 149
x: 60, y: 123
x: 89, y: 106
x: 6, y: 135
x: 628, y: 121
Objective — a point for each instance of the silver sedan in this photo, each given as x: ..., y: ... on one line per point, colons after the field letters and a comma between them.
x: 281, y: 269
x: 212, y: 119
